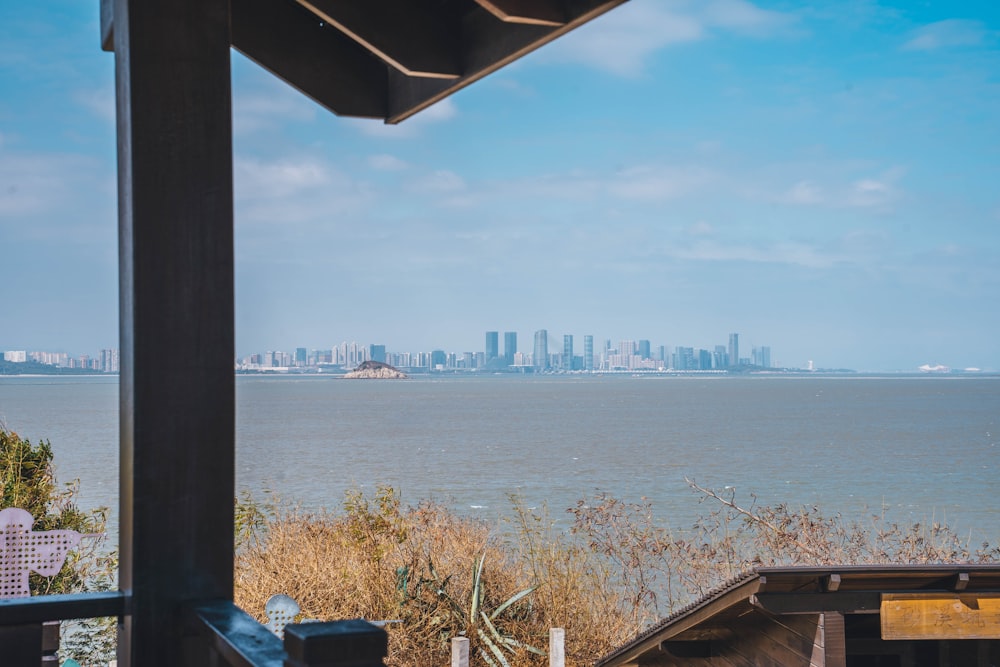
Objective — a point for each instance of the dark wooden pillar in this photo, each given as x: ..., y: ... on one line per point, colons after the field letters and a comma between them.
x: 176, y: 319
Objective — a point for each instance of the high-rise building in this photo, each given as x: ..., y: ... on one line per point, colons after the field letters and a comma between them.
x: 541, y: 358
x: 734, y: 349
x: 509, y: 347
x: 762, y: 356
x: 376, y: 353
x: 588, y: 353
x: 644, y: 350
x: 492, y: 345
x: 567, y: 356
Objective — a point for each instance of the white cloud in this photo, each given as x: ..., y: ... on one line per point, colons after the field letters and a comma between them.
x: 803, y: 192
x: 701, y: 228
x: 256, y: 179
x: 745, y: 17
x: 623, y: 39
x: 440, y: 112
x: 620, y: 41
x: 798, y: 254
x: 267, y: 102
x: 871, y: 192
x: 101, y: 103
x: 658, y: 182
x: 441, y: 181
x: 946, y: 34
x: 386, y: 162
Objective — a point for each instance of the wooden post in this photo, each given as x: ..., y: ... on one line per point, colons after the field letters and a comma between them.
x: 557, y: 647
x: 352, y: 643
x: 460, y: 652
x: 177, y: 405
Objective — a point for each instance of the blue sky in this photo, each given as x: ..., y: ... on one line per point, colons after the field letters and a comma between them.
x: 819, y: 177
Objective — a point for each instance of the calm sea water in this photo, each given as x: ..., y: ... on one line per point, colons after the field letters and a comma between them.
x: 926, y: 448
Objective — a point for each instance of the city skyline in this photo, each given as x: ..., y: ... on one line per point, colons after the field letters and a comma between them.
x: 818, y: 175
x: 623, y: 354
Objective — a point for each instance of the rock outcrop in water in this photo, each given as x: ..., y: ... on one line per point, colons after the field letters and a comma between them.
x: 375, y: 370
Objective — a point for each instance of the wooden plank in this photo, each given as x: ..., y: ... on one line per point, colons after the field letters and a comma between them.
x: 940, y: 616
x: 812, y: 603
x: 411, y: 35
x: 834, y: 640
x: 531, y: 12
x: 487, y: 45
x: 319, y: 61
x: 177, y: 387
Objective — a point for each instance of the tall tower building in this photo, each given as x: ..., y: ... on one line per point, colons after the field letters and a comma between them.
x: 644, y: 349
x: 567, y: 358
x: 492, y: 345
x: 588, y: 353
x: 541, y: 359
x: 734, y: 349
x: 509, y: 346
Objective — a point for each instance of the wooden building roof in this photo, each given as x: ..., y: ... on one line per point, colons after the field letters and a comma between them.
x: 797, y: 591
x: 389, y: 59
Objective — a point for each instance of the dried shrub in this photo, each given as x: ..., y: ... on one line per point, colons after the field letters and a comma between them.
x: 615, y: 570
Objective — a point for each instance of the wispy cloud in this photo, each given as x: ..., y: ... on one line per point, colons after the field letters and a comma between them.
x: 441, y: 112
x: 101, y: 102
x: 947, y: 34
x: 803, y: 192
x: 300, y: 190
x: 386, y: 162
x: 440, y: 181
x: 623, y: 40
x: 785, y: 252
x: 658, y: 182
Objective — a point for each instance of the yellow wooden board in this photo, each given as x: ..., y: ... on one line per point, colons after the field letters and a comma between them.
x: 940, y: 616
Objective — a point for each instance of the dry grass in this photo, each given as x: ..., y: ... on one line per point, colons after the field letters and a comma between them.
x: 614, y: 572
x: 381, y: 561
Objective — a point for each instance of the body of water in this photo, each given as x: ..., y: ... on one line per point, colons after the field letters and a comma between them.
x: 923, y: 447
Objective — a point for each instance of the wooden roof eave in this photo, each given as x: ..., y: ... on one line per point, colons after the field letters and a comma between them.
x: 390, y: 59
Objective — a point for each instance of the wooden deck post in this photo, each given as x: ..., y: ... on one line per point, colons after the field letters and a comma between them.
x: 557, y: 647
x: 460, y: 652
x: 175, y: 201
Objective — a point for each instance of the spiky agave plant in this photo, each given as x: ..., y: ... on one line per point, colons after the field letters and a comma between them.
x: 491, y: 642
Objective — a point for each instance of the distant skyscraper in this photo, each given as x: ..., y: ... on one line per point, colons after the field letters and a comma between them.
x: 376, y: 353
x: 541, y: 359
x: 644, y: 349
x: 492, y: 345
x: 588, y: 353
x: 734, y: 349
x: 509, y: 346
x: 567, y: 358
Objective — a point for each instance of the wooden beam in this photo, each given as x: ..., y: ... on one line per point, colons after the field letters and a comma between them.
x: 318, y: 60
x: 108, y: 25
x: 177, y: 387
x: 410, y: 35
x: 940, y: 616
x: 488, y: 45
x: 813, y: 603
x: 531, y: 12
x: 834, y: 640
x: 701, y: 648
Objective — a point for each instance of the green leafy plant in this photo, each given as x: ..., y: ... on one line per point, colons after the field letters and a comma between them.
x: 28, y: 482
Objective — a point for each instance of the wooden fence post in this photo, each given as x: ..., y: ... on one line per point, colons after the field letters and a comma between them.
x: 557, y: 647
x: 460, y: 652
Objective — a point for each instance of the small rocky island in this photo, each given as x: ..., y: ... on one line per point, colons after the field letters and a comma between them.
x: 375, y: 370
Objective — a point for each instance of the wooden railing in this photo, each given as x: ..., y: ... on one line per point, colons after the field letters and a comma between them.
x: 229, y: 634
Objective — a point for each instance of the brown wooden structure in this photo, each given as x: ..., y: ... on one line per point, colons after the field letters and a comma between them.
x: 384, y: 59
x: 849, y: 616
